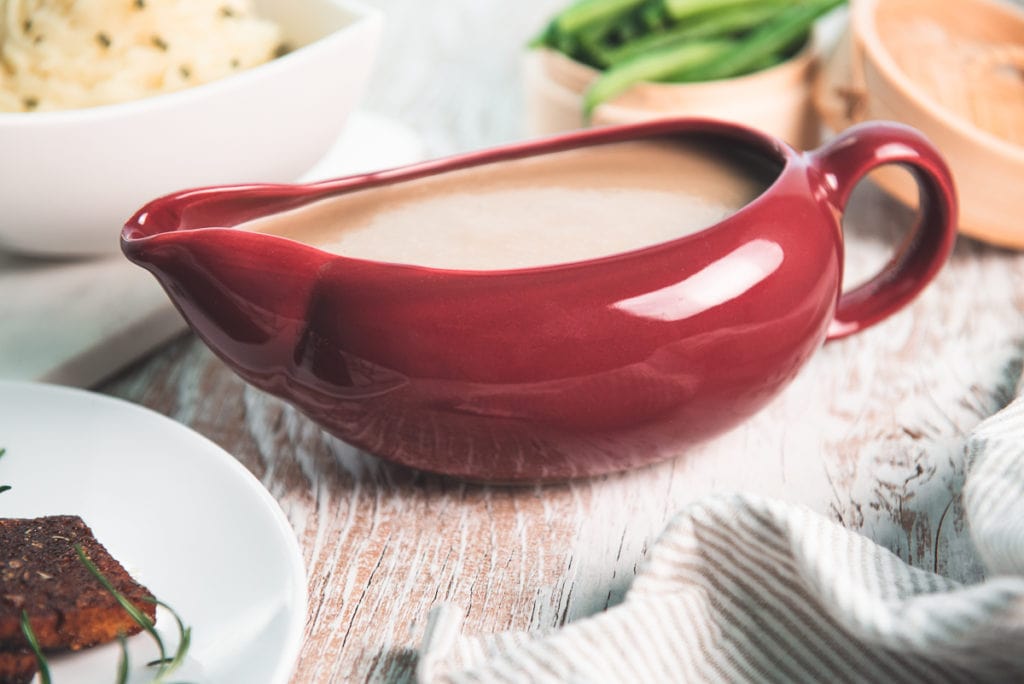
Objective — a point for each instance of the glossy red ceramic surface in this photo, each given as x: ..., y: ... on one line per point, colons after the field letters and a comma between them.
x: 552, y: 372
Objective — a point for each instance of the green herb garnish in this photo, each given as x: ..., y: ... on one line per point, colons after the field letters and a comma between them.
x: 137, y: 615
x: 122, y: 663
x: 166, y: 664
x: 33, y: 643
x: 169, y: 665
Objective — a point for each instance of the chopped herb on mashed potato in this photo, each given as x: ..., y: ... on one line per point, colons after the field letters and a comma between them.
x: 68, y: 54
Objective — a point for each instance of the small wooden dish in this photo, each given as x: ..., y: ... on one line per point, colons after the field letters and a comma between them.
x: 775, y: 100
x: 953, y: 69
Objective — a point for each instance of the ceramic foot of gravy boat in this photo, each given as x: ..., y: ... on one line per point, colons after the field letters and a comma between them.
x: 541, y: 356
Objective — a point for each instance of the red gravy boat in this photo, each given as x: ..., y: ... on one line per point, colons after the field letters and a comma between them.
x: 549, y: 372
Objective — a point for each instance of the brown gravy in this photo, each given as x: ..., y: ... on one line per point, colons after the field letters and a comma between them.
x: 548, y: 209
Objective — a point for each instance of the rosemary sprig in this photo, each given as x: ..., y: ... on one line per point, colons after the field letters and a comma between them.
x: 165, y: 664
x: 122, y: 663
x: 141, y: 618
x: 169, y: 665
x: 30, y: 637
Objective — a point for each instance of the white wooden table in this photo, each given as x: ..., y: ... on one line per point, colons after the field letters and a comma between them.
x: 869, y: 434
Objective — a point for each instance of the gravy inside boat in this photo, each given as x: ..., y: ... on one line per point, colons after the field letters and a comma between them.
x: 547, y: 209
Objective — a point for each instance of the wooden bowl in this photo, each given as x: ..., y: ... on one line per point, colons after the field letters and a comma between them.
x: 953, y: 69
x: 776, y: 100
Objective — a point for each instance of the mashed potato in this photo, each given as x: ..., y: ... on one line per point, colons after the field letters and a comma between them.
x: 67, y: 54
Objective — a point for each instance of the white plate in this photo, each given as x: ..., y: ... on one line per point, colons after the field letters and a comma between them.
x: 184, y: 517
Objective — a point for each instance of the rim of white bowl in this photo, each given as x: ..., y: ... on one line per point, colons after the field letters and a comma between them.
x: 362, y: 15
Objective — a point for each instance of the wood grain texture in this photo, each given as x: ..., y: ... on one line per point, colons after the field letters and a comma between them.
x: 870, y: 433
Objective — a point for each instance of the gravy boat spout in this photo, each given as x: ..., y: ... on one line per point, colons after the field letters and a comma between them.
x: 245, y: 298
x: 550, y: 371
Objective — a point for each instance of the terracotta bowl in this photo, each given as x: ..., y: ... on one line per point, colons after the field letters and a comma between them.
x: 548, y: 372
x: 953, y: 69
x: 776, y: 100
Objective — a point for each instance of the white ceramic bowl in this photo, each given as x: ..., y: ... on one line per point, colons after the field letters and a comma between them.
x: 69, y: 179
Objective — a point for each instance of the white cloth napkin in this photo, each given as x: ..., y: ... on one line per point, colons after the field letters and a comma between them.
x: 746, y: 589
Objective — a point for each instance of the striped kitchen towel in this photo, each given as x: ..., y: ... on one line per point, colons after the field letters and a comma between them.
x: 745, y: 589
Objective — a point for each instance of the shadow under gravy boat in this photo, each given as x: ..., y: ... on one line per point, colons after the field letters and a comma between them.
x: 550, y: 372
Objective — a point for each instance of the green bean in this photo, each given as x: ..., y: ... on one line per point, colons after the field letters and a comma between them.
x: 546, y: 38
x: 581, y: 15
x: 592, y: 41
x: 684, y: 9
x: 770, y: 39
x: 768, y: 62
x: 589, y: 12
x: 653, y: 15
x: 591, y: 44
x: 710, y: 25
x: 652, y: 66
x: 678, y: 40
x: 566, y: 44
x: 628, y: 29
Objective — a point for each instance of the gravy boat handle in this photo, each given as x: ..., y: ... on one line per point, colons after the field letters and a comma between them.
x: 841, y: 164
